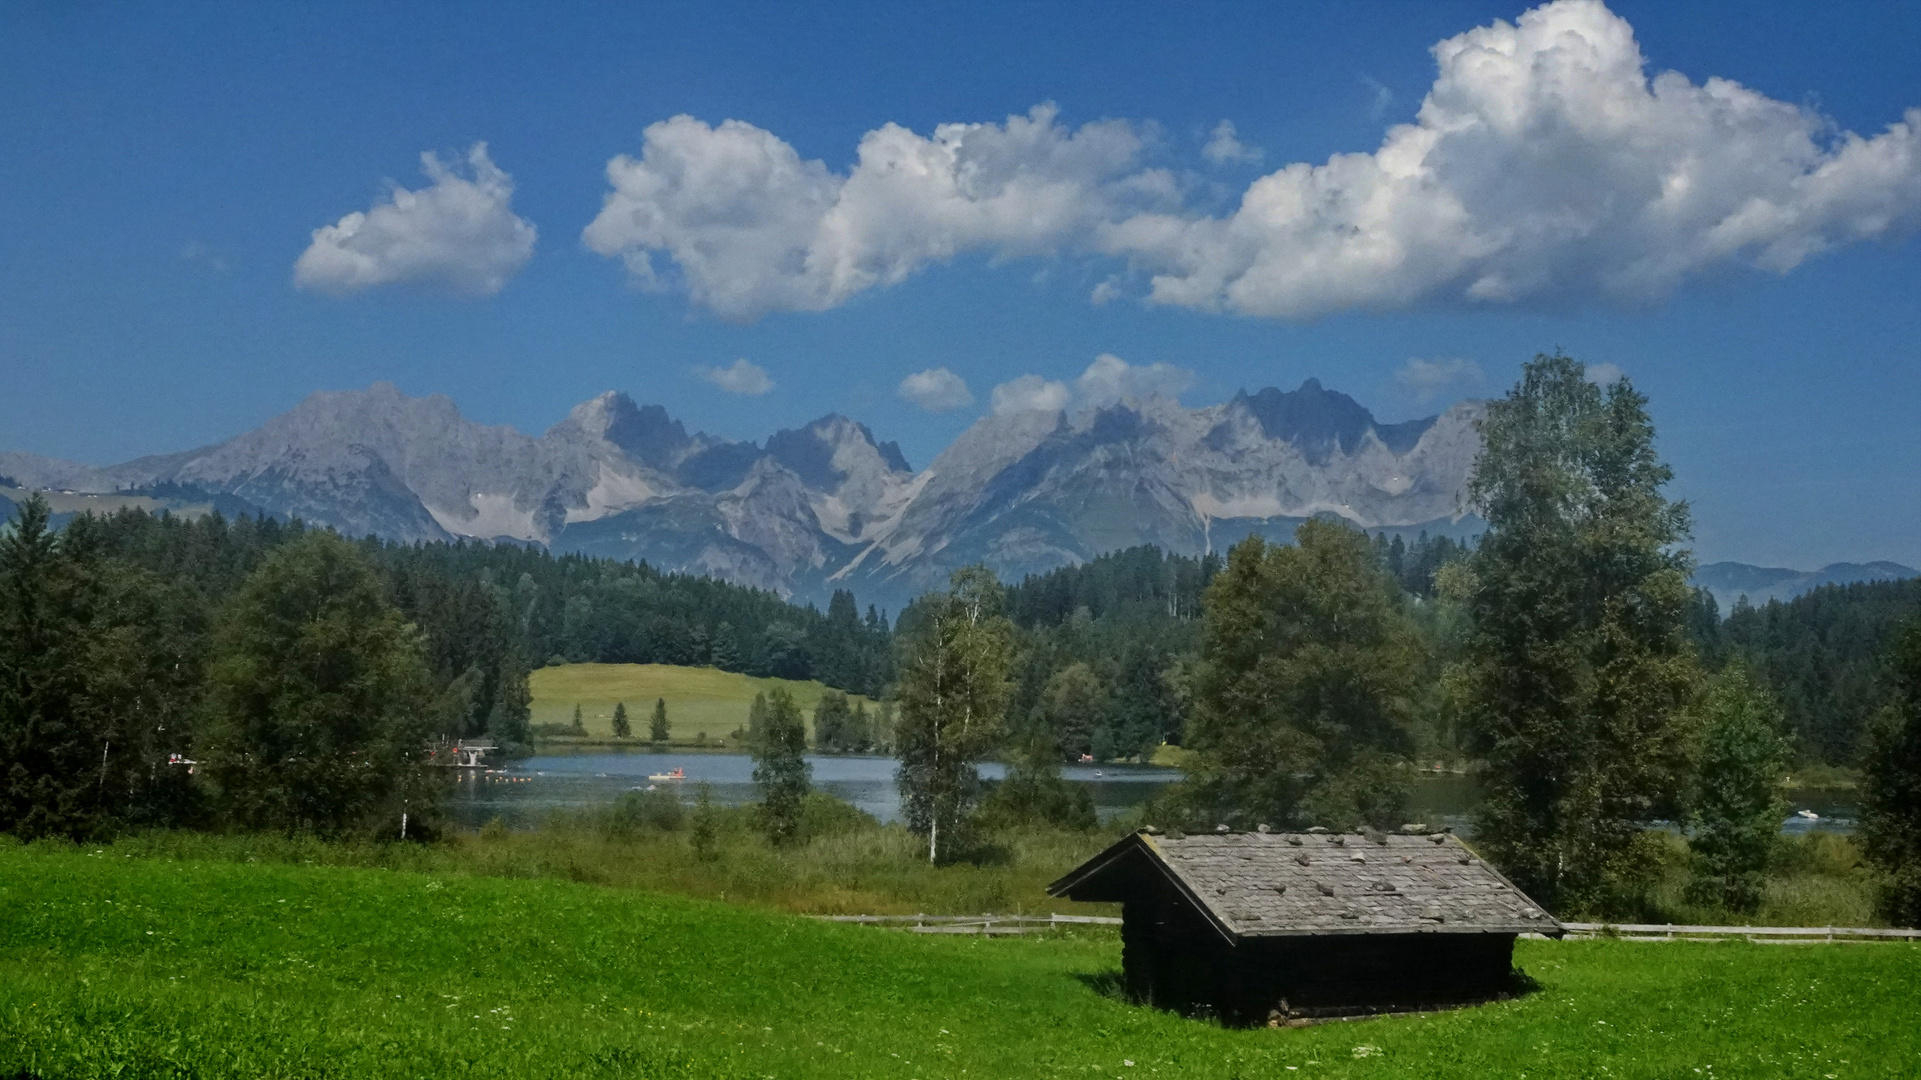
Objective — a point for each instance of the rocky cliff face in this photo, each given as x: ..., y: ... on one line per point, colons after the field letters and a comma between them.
x: 828, y: 505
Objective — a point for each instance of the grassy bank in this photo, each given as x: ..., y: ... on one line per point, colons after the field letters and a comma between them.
x: 114, y: 966
x: 700, y: 700
x: 847, y: 863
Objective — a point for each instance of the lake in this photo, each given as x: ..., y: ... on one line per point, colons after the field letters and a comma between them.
x: 524, y: 793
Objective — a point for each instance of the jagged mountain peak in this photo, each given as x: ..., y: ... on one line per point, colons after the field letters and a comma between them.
x: 827, y: 451
x: 1321, y: 423
x: 644, y: 432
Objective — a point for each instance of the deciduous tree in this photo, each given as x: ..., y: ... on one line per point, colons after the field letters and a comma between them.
x: 318, y: 710
x: 1577, y: 669
x: 1734, y: 806
x: 1072, y: 707
x: 834, y: 728
x: 953, y: 702
x: 1303, y: 695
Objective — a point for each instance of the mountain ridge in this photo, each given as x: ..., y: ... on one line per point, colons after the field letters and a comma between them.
x: 829, y: 505
x: 1731, y: 581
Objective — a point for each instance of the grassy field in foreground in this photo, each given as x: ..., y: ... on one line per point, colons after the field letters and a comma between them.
x: 699, y: 699
x: 118, y: 966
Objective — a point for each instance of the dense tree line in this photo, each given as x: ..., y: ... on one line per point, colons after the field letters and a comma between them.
x: 575, y: 609
x: 300, y: 678
x: 162, y: 672
x: 1822, y: 655
x: 1101, y: 651
x: 1414, y: 566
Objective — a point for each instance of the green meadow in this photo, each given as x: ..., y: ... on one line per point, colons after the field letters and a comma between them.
x: 700, y: 700
x: 113, y: 965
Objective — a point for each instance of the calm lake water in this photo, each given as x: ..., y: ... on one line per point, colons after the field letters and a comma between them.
x: 522, y: 794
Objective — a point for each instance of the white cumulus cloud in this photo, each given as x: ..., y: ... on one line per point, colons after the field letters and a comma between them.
x: 750, y: 227
x: 459, y: 233
x: 936, y: 390
x: 1224, y: 147
x: 1545, y: 164
x: 1107, y: 380
x: 1428, y: 378
x: 1031, y: 392
x: 739, y: 377
x: 1110, y: 379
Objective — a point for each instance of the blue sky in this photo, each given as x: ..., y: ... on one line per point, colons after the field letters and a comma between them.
x: 166, y: 167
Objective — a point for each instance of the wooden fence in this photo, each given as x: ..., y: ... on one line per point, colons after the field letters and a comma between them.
x: 1776, y: 935
x: 974, y: 924
x: 1027, y: 924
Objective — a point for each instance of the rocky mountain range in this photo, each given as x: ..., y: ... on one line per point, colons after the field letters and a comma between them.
x: 828, y: 505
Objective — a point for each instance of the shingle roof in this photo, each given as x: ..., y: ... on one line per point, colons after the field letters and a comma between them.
x: 1280, y: 884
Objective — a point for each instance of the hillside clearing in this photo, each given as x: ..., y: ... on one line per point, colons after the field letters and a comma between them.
x: 700, y: 700
x: 124, y: 966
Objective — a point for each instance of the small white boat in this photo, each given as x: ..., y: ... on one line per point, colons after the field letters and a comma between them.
x: 1809, y: 814
x: 677, y: 774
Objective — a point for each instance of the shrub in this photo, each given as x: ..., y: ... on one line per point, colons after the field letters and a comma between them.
x: 659, y: 810
x: 822, y: 815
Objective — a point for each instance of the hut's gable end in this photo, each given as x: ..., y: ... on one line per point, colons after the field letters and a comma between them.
x: 1279, y: 884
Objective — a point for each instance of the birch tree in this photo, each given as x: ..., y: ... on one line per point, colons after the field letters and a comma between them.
x: 953, y: 702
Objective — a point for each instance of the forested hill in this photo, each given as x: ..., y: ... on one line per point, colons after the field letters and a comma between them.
x: 1822, y: 655
x: 477, y: 603
x: 1105, y: 647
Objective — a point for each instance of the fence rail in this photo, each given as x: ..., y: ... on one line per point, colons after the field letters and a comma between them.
x: 974, y: 924
x: 1025, y: 924
x: 1768, y: 934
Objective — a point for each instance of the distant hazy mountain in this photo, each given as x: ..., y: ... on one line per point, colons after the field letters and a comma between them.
x: 1729, y: 581
x: 828, y: 505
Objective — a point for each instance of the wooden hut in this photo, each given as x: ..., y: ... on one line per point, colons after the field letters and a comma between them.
x: 1261, y: 926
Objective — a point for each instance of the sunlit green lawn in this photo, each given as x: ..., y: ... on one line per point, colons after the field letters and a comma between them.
x: 119, y: 966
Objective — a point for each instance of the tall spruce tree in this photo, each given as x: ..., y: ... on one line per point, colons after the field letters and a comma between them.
x: 51, y: 741
x: 1577, y: 668
x: 1891, y: 796
x: 318, y: 698
x: 780, y: 768
x: 953, y: 702
x: 510, y: 720
x: 623, y: 728
x: 657, y: 724
x: 1304, y: 693
x: 99, y: 670
x: 756, y: 722
x: 1735, y: 806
